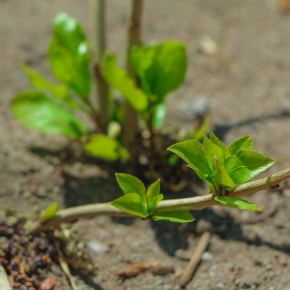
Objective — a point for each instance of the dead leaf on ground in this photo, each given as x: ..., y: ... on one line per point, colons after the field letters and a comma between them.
x: 135, y: 269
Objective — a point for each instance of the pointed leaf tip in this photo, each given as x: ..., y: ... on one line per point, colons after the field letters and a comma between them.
x: 178, y: 216
x: 236, y: 203
x: 130, y: 184
x: 191, y: 151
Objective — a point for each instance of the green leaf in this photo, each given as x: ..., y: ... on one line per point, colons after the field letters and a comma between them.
x: 159, y: 115
x: 245, y: 142
x: 58, y: 91
x: 236, y: 203
x: 131, y: 203
x: 172, y: 159
x: 39, y: 82
x: 50, y: 212
x: 152, y: 205
x: 247, y: 164
x: 217, y: 142
x: 69, y: 56
x: 153, y: 190
x: 40, y: 112
x: 161, y: 67
x: 130, y: 184
x: 107, y: 148
x: 153, y: 195
x: 220, y: 174
x: 119, y: 79
x: 191, y: 151
x: 198, y: 133
x: 178, y: 216
x: 211, y: 149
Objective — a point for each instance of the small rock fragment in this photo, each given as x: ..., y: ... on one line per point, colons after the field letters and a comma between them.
x: 162, y: 270
x: 97, y: 247
x: 220, y: 286
x: 207, y: 256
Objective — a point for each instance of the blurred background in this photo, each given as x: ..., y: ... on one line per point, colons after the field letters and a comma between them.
x: 239, y: 68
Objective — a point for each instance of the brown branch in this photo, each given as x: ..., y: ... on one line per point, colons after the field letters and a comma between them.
x: 191, y: 203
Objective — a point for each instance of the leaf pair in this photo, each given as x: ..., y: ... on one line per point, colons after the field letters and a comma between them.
x: 137, y: 201
x: 220, y: 166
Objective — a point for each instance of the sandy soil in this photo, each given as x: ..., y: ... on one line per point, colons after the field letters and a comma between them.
x: 246, y: 85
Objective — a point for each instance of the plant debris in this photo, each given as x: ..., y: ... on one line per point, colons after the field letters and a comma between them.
x: 135, y: 269
x: 23, y: 255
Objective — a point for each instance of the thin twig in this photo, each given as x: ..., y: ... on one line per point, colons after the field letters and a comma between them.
x: 195, y: 259
x: 191, y: 203
x: 4, y: 282
x: 65, y: 268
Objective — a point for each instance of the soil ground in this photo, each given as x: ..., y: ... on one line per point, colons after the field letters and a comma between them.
x: 247, y: 88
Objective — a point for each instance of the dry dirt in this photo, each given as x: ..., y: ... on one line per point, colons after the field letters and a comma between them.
x: 247, y: 86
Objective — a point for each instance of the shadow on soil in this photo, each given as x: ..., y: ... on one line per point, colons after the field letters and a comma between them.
x: 222, y: 129
x: 88, y: 280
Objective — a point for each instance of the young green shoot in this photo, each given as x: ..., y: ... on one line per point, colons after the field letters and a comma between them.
x: 223, y: 168
x: 142, y: 203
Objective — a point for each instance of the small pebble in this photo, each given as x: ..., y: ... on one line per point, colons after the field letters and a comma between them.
x: 41, y: 192
x: 220, y: 286
x: 283, y: 262
x: 207, y: 256
x: 97, y: 247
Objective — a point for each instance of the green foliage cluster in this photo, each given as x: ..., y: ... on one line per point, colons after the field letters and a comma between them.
x: 56, y: 108
x: 142, y: 203
x: 222, y: 167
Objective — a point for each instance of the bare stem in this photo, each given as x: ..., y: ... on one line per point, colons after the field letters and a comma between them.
x: 191, y: 203
x: 131, y: 116
x: 99, y: 46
